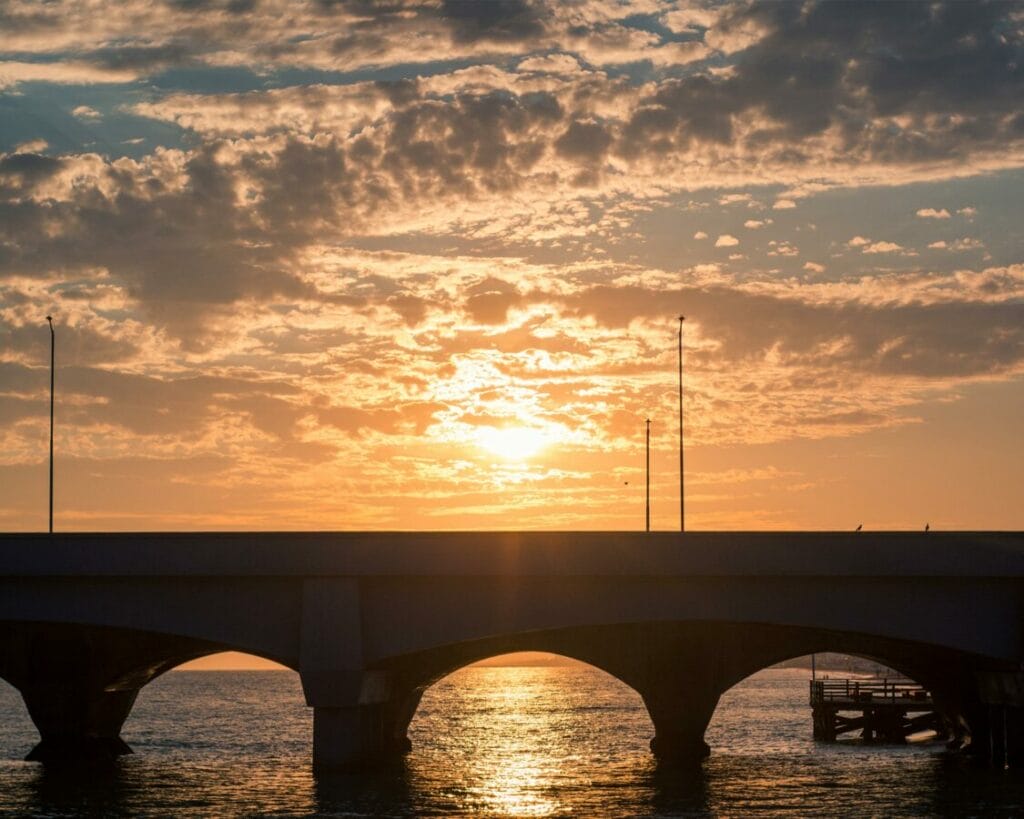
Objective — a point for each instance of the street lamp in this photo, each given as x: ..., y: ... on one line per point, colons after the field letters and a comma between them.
x: 49, y: 320
x: 647, y: 507
x: 682, y: 510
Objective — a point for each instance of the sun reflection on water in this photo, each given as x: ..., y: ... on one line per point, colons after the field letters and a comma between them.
x: 511, y: 749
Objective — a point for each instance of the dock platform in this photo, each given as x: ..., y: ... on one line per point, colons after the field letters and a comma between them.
x: 883, y: 711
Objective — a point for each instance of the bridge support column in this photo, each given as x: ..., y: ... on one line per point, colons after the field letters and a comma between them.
x: 359, y: 720
x: 680, y: 706
x: 356, y: 737
x: 79, y: 682
x: 998, y: 720
x: 76, y: 721
x: 360, y: 715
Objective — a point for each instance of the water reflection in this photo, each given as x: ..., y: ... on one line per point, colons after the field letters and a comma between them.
x: 382, y: 793
x: 492, y: 742
x: 496, y: 743
x: 97, y: 789
x: 675, y: 791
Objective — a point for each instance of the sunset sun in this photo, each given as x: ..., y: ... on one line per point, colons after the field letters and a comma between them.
x: 513, y: 443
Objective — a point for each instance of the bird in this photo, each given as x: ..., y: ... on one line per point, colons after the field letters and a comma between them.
x: 927, y: 527
x: 859, y: 526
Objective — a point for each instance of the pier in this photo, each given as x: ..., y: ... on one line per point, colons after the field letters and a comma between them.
x: 883, y: 711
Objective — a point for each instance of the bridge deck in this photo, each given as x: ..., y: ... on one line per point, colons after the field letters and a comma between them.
x: 635, y: 554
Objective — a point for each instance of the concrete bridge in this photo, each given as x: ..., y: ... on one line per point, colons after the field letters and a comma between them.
x: 370, y: 620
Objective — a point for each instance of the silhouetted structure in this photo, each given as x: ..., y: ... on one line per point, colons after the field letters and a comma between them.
x: 682, y: 502
x: 883, y: 710
x: 370, y: 620
x: 647, y: 504
x: 53, y: 344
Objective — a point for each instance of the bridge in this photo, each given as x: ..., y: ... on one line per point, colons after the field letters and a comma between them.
x: 370, y: 620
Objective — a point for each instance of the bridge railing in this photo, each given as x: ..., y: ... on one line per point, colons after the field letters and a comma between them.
x: 859, y: 691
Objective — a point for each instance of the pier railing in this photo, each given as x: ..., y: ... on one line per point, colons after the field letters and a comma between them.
x: 861, y: 691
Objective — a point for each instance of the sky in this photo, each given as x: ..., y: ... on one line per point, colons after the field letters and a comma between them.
x: 418, y: 265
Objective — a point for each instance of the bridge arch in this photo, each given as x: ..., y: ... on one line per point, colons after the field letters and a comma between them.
x: 678, y: 670
x: 948, y: 674
x: 739, y: 708
x: 80, y: 682
x: 220, y: 713
x: 540, y: 693
x: 681, y: 669
x: 409, y: 676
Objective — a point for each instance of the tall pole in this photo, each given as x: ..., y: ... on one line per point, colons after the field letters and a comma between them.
x: 682, y: 508
x: 49, y: 320
x: 647, y: 507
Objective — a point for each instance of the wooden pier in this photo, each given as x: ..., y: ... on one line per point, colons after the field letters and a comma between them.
x: 883, y: 711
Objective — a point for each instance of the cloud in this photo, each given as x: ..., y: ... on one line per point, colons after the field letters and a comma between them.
x: 883, y: 247
x: 497, y: 20
x: 33, y: 146
x: 966, y: 243
x: 904, y: 339
x: 13, y: 72
x: 585, y: 141
x: 551, y: 64
x: 490, y: 300
x: 368, y: 230
x: 304, y: 109
x: 872, y: 247
x: 86, y: 113
x: 692, y: 131
x: 782, y: 248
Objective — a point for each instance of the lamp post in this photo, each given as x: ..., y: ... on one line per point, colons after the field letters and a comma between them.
x: 647, y: 505
x: 49, y: 320
x: 682, y: 509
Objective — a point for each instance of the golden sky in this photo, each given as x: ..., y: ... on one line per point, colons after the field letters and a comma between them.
x: 416, y: 265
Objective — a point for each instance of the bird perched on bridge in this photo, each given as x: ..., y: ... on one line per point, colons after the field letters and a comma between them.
x: 859, y: 527
x: 927, y: 527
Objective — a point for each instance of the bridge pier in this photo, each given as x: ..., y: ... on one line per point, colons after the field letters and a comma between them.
x: 356, y: 737
x: 680, y: 707
x: 998, y: 718
x: 680, y: 672
x: 360, y: 715
x: 77, y: 721
x: 360, y: 722
x: 79, y: 683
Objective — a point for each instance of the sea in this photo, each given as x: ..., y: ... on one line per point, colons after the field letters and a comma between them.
x: 492, y: 741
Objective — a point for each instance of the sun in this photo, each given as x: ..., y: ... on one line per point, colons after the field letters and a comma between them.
x: 513, y: 443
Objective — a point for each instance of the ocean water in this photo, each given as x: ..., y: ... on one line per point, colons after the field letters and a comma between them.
x: 491, y: 741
